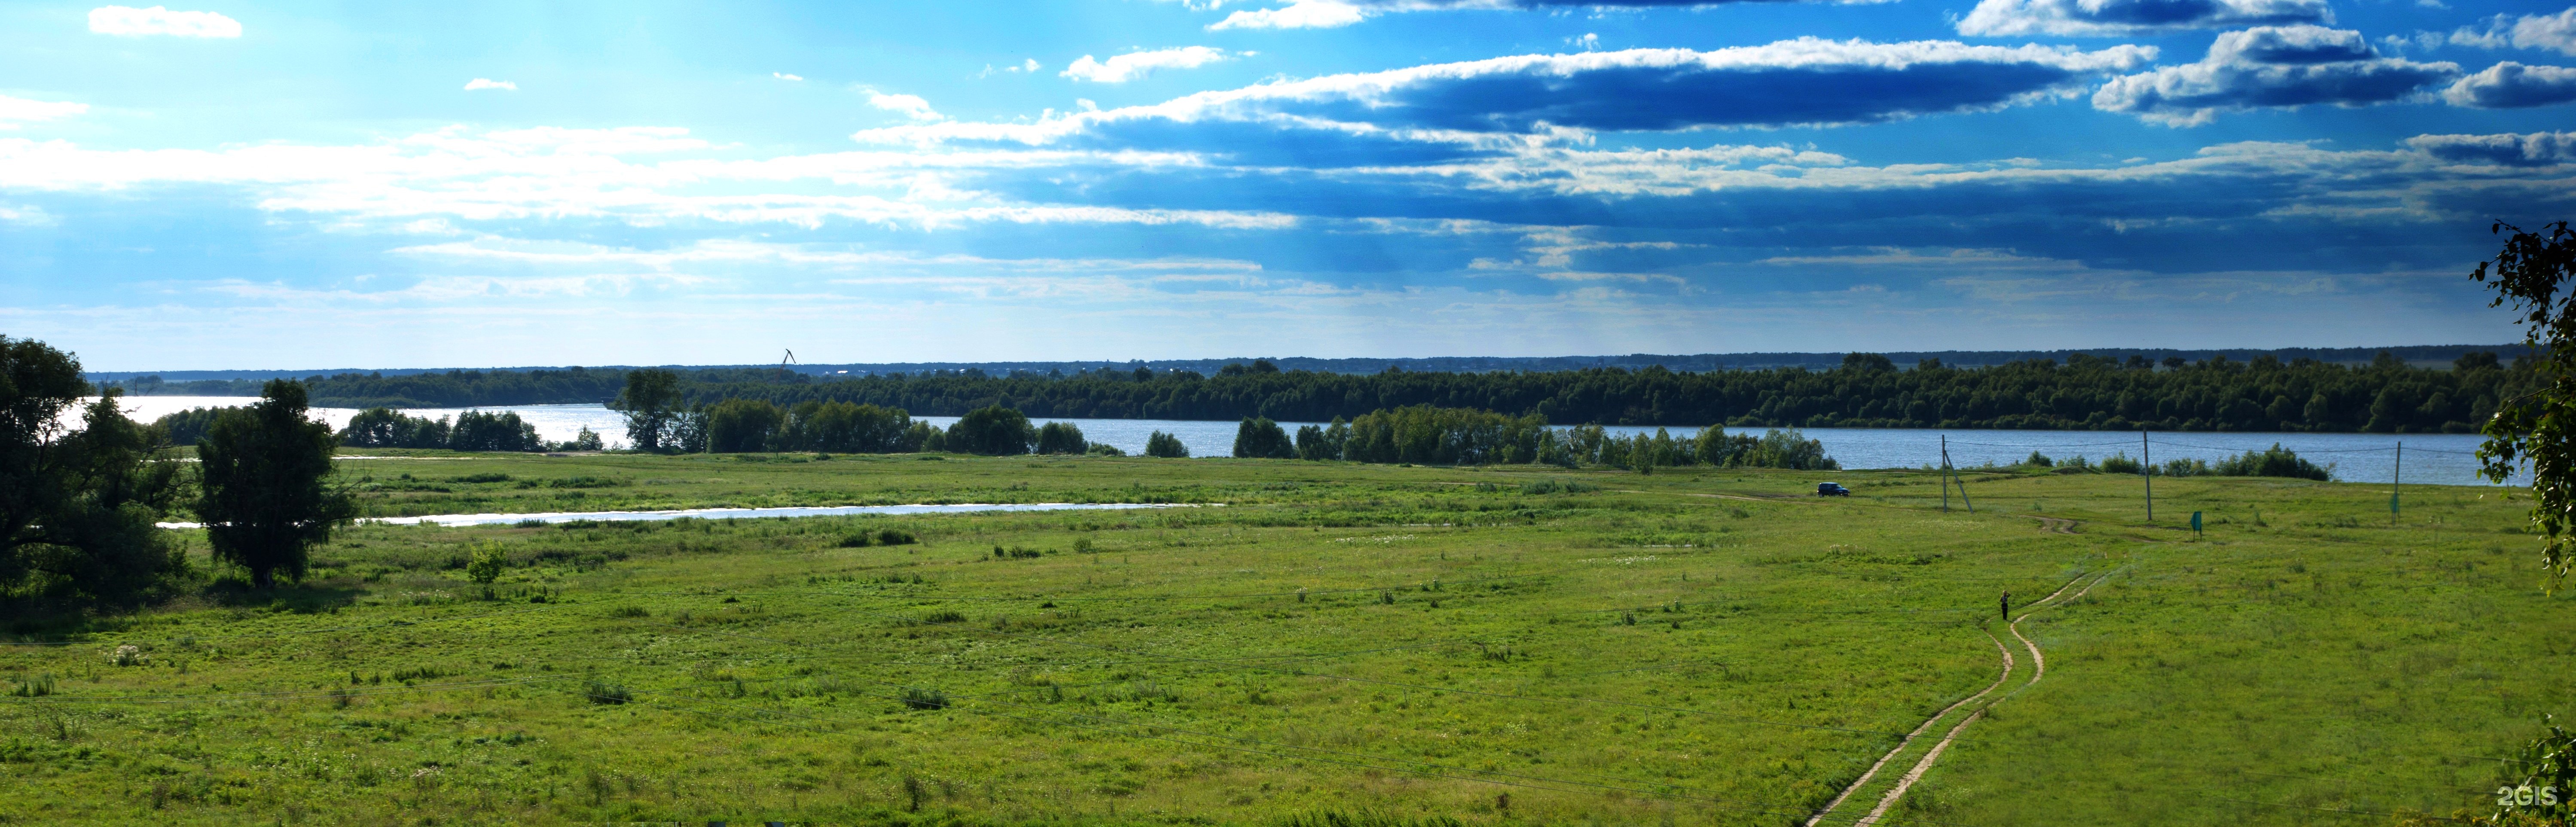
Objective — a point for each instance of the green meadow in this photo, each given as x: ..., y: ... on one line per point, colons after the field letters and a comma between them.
x: 1308, y: 643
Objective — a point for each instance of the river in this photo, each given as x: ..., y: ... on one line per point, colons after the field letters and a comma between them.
x: 2443, y: 459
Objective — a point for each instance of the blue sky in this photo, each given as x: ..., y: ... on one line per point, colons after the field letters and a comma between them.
x: 316, y: 185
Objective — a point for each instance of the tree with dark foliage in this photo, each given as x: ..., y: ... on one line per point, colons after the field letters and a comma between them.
x: 651, y: 402
x: 1061, y: 438
x: 2538, y: 427
x: 77, y: 507
x: 262, y: 470
x: 992, y: 431
x: 1260, y: 438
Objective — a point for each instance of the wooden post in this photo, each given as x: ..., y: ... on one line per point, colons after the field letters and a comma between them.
x: 1945, y: 473
x: 2147, y: 469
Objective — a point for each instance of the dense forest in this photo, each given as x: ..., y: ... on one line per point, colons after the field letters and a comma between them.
x: 1867, y: 390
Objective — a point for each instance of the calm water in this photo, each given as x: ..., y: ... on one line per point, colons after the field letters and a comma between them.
x: 2429, y: 458
x: 722, y: 513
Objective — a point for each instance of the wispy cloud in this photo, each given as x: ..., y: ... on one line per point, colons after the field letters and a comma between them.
x: 1302, y: 14
x: 2531, y: 31
x: 18, y: 111
x: 1327, y: 14
x: 128, y: 21
x: 2118, y: 18
x: 1133, y: 65
x: 1803, y: 81
x: 910, y: 106
x: 488, y: 83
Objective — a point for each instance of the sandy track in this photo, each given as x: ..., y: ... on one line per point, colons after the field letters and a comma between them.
x: 1916, y: 772
x: 2039, y: 668
x: 1918, y: 730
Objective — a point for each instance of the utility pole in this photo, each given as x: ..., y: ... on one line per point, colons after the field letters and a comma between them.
x: 1945, y: 473
x: 2396, y: 477
x: 1953, y: 473
x: 2147, y: 469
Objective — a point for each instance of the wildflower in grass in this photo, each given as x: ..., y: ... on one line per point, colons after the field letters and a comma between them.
x: 127, y: 655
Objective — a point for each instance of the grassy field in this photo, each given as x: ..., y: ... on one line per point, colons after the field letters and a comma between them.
x: 1490, y: 646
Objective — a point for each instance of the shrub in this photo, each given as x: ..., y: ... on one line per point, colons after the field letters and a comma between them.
x: 1365, y: 818
x: 488, y: 563
x: 895, y: 537
x: 850, y: 428
x: 1165, y: 446
x: 186, y: 427
x: 2120, y: 463
x: 480, y: 431
x: 918, y: 698
x: 601, y: 692
x: 859, y: 540
x: 992, y: 431
x: 1061, y: 438
x: 35, y: 687
x: 2039, y: 460
x: 2275, y: 461
x: 737, y: 426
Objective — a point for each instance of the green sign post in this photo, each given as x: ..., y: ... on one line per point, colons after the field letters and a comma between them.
x: 2195, y: 524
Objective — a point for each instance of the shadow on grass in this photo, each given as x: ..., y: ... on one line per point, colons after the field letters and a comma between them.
x: 307, y: 598
x: 46, y: 619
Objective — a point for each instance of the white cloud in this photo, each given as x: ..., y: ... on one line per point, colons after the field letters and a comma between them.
x: 488, y: 83
x: 1730, y: 87
x: 2510, y: 85
x: 2525, y: 150
x: 785, y: 76
x: 2272, y: 67
x: 2112, y: 18
x: 1133, y: 65
x: 17, y: 111
x: 910, y: 106
x: 2530, y: 31
x: 133, y: 22
x: 556, y: 173
x: 1302, y: 14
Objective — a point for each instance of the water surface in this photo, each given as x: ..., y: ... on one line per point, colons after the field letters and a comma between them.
x: 2443, y: 459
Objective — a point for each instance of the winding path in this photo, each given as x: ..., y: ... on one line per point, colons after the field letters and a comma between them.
x: 2039, y: 668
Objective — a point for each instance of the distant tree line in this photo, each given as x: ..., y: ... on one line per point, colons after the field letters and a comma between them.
x: 452, y: 389
x: 389, y: 428
x: 1867, y: 390
x: 1427, y: 435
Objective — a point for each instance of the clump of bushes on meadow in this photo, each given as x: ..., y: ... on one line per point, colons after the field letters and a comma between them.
x: 2275, y: 461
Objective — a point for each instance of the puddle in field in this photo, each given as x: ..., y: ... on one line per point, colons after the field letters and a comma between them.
x: 722, y: 513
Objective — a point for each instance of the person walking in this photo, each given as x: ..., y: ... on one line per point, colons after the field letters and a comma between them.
x: 2006, y: 608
